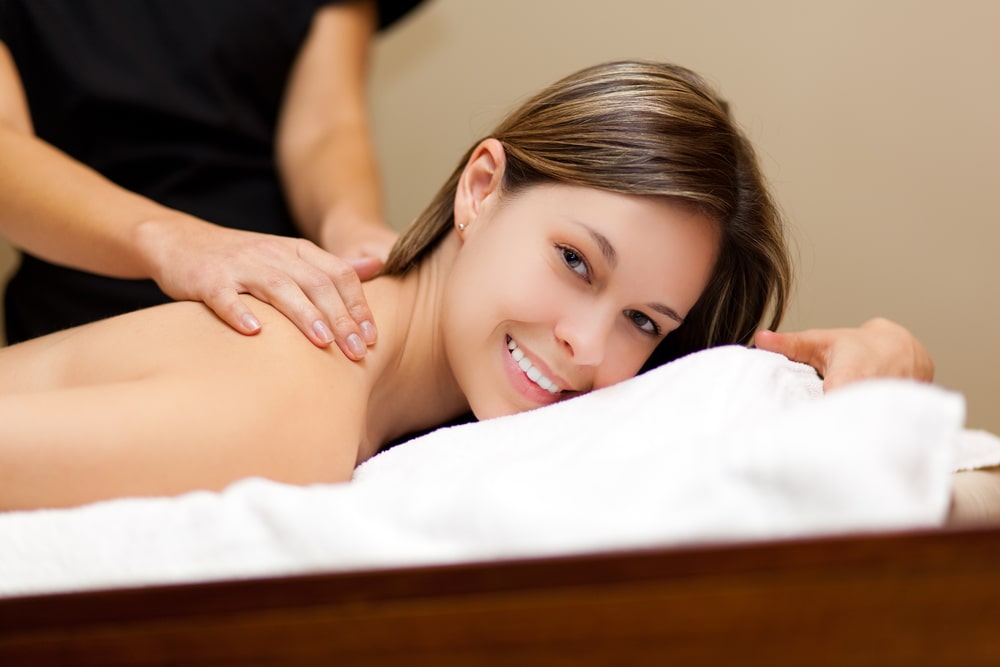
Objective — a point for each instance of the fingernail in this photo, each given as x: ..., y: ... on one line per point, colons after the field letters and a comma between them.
x: 322, y: 331
x: 368, y: 331
x: 250, y: 323
x: 356, y: 345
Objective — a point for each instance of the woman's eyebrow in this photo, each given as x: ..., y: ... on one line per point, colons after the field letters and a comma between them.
x: 611, y: 256
x: 666, y: 310
x: 603, y: 243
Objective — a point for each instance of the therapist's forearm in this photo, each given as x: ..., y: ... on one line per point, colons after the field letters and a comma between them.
x: 336, y: 184
x: 324, y: 144
x: 65, y: 212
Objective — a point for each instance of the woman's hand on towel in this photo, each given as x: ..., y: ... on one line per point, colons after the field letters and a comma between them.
x: 878, y: 348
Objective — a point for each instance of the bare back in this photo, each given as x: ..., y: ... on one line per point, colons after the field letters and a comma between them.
x: 171, y: 399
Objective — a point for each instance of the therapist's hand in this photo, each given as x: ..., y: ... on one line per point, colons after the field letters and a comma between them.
x: 878, y: 348
x: 320, y: 292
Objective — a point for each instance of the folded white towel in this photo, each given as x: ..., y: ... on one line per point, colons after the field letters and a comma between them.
x: 726, y: 444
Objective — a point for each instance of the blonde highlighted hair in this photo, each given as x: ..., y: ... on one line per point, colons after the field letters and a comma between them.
x: 649, y: 129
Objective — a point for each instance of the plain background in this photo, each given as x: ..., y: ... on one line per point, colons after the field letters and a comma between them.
x: 877, y: 123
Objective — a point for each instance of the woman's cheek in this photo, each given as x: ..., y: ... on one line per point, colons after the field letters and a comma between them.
x: 625, y: 356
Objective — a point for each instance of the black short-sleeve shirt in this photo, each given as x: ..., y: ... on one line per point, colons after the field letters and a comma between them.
x: 174, y: 99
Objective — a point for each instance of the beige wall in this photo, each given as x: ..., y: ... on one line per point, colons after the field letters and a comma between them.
x: 877, y: 122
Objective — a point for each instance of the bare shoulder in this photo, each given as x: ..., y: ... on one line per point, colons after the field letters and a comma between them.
x: 171, y: 339
x: 277, y: 378
x: 277, y: 360
x: 309, y: 402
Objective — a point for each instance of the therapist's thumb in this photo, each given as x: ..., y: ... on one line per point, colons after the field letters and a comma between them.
x: 366, y: 267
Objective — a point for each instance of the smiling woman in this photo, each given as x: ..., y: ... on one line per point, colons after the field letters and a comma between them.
x: 601, y: 278
x: 615, y: 220
x: 651, y: 130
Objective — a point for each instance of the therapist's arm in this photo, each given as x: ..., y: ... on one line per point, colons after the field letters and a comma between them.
x: 65, y: 212
x: 324, y: 142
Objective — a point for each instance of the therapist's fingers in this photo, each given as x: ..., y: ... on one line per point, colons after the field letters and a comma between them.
x: 333, y: 286
x: 319, y: 292
x: 322, y: 295
x: 228, y: 306
x: 366, y: 267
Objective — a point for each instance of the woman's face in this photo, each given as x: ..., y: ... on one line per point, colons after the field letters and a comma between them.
x: 562, y: 289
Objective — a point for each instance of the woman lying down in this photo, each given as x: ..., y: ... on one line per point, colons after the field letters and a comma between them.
x: 615, y: 221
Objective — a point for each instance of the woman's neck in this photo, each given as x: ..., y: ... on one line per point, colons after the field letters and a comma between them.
x: 412, y: 387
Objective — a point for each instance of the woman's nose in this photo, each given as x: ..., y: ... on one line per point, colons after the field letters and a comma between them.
x: 585, y: 335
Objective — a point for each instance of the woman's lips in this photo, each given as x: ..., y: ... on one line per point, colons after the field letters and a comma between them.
x: 529, y: 379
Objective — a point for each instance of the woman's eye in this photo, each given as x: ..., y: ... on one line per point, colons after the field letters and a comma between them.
x: 574, y: 261
x: 644, y: 323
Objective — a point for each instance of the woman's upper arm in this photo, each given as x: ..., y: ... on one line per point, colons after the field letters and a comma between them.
x: 13, y: 104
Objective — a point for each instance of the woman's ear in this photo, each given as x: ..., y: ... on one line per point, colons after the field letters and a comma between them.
x: 480, y: 180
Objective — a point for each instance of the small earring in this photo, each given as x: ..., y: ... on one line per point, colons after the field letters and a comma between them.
x: 461, y: 226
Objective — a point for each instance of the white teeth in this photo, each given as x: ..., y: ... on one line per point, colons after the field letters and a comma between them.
x: 533, y: 373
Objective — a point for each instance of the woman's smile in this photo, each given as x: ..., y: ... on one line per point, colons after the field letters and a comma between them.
x: 529, y: 375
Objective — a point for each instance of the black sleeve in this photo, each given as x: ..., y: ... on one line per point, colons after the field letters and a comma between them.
x: 390, y: 11
x: 4, y: 21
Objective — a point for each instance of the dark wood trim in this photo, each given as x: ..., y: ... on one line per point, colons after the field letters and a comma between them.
x: 920, y: 598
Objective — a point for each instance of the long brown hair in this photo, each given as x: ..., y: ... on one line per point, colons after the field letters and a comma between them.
x: 651, y: 129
